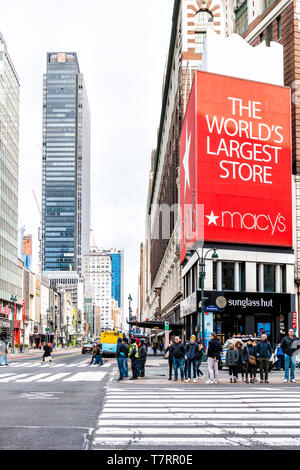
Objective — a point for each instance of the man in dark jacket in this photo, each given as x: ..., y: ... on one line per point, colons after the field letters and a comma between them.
x: 264, y: 352
x: 169, y: 353
x: 191, y: 355
x: 120, y: 359
x: 213, y: 355
x: 178, y: 356
x: 142, y: 357
x: 47, y: 353
x: 289, y: 346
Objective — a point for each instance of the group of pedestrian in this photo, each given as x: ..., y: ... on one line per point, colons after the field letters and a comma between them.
x: 254, y: 355
x: 185, y: 358
x: 136, y: 351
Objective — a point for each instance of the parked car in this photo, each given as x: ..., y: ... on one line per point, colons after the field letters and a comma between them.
x: 244, y: 339
x: 87, y: 348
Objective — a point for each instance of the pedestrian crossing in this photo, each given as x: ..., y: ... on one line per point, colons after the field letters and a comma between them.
x: 143, y: 418
x: 46, y: 373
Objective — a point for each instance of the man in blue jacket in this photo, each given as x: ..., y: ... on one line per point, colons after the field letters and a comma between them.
x: 191, y: 355
x: 264, y: 352
x: 120, y: 359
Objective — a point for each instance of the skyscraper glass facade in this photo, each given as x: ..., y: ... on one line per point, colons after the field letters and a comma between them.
x: 10, y: 272
x: 117, y: 277
x: 66, y: 165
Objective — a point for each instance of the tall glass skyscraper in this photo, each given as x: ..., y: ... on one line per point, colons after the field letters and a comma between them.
x: 66, y: 166
x: 117, y: 258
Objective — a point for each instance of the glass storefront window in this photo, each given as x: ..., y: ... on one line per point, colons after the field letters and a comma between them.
x: 227, y: 276
x: 269, y: 278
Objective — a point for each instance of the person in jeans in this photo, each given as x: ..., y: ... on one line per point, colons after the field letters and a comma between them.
x: 264, y: 352
x: 169, y: 354
x: 249, y: 358
x: 94, y: 353
x: 191, y: 356
x: 99, y: 359
x: 126, y: 353
x: 289, y: 348
x: 3, y: 352
x: 120, y: 359
x: 232, y: 357
x: 213, y: 355
x: 199, y: 358
x: 178, y: 356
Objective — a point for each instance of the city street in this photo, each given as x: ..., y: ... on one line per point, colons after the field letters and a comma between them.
x: 50, y: 406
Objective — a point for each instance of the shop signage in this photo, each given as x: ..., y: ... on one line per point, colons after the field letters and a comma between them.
x: 5, y: 310
x: 235, y: 162
x: 253, y: 302
x: 294, y: 320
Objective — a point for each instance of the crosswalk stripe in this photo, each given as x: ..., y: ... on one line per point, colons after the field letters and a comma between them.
x: 195, y: 423
x: 208, y: 415
x: 194, y: 441
x: 201, y: 431
x: 20, y: 364
x: 54, y: 377
x: 32, y: 378
x: 13, y: 377
x: 86, y: 376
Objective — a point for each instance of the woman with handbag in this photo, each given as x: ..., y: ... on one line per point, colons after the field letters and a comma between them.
x: 169, y: 355
x: 249, y: 358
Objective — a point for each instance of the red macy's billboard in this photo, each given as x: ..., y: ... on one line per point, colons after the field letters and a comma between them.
x: 235, y: 163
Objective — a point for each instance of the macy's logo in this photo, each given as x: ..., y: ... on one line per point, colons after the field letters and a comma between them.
x: 248, y: 221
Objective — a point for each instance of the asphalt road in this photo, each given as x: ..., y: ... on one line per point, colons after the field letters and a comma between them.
x: 50, y: 406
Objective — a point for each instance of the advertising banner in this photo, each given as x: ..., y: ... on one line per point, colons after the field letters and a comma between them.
x: 235, y: 160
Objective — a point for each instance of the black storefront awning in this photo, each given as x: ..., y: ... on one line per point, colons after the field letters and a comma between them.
x: 155, y: 324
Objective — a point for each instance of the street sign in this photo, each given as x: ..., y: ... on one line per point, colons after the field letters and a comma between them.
x: 212, y: 308
x: 167, y: 326
x: 47, y: 329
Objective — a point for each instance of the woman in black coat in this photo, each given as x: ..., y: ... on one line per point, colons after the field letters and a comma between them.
x: 170, y: 353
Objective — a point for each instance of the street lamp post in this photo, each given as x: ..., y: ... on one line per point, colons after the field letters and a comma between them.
x: 13, y: 299
x: 202, y: 258
x: 130, y: 312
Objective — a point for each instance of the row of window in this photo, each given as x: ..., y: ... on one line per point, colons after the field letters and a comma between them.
x: 231, y: 276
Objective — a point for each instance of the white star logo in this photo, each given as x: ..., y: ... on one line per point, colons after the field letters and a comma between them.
x: 186, y: 164
x: 212, y: 218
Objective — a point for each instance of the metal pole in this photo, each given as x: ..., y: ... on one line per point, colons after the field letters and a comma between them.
x: 13, y: 328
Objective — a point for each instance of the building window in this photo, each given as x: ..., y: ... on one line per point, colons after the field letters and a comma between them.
x: 203, y: 17
x: 261, y: 37
x: 268, y: 3
x: 199, y: 41
x: 241, y: 18
x: 227, y: 276
x: 279, y: 27
x: 269, y: 34
x: 269, y: 277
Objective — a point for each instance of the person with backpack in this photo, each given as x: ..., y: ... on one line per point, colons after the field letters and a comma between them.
x: 232, y: 357
x: 169, y: 355
x: 154, y: 347
x: 94, y: 353
x: 47, y: 353
x: 125, y: 351
x: 99, y: 359
x: 264, y: 352
x: 249, y: 358
x: 142, y: 358
x: 120, y: 360
x: 191, y: 355
x: 134, y: 356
